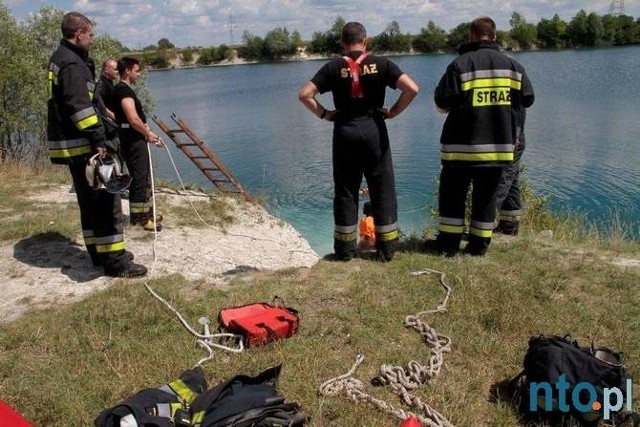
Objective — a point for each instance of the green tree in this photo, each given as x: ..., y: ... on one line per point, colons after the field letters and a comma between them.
x: 20, y: 90
x: 523, y: 33
x: 164, y: 43
x: 187, y: 55
x: 223, y: 52
x: 430, y: 39
x: 253, y: 47
x: 277, y: 43
x: 552, y: 33
x: 595, y: 30
x: 207, y: 56
x: 329, y: 41
x: 458, y: 36
x: 577, y: 29
x: 391, y: 40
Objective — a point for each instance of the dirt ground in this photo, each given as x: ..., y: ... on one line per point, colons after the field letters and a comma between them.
x: 51, y: 269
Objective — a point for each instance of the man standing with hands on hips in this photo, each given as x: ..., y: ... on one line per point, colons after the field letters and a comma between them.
x: 485, y: 94
x: 358, y: 81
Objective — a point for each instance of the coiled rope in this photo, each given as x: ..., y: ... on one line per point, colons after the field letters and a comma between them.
x: 402, y: 380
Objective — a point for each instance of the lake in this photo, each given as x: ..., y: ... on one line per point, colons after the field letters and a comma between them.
x: 582, y: 133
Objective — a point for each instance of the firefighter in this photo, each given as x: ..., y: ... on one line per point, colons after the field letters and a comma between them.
x: 509, y: 198
x: 358, y: 82
x: 485, y: 93
x: 134, y: 136
x: 75, y: 132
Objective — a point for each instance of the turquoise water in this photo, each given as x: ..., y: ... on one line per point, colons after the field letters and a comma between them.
x: 583, y: 146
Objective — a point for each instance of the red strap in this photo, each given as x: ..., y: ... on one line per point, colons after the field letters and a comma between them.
x: 354, y: 71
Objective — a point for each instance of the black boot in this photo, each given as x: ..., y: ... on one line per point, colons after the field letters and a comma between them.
x: 510, y: 228
x: 344, y: 251
x: 125, y: 269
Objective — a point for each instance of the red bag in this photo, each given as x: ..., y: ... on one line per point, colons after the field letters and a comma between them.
x: 260, y: 323
x: 9, y: 417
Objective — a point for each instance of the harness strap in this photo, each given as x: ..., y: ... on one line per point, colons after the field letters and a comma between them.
x: 354, y: 71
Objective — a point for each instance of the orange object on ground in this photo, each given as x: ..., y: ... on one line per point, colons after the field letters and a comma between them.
x: 10, y: 418
x: 368, y: 230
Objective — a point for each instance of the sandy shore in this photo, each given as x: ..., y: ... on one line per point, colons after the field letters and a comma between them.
x: 51, y: 269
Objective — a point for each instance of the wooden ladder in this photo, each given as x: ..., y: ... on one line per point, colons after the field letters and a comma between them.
x: 205, y: 159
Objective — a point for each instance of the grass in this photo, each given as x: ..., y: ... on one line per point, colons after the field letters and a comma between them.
x: 61, y: 366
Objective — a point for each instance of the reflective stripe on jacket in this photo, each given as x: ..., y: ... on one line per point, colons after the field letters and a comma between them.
x: 73, y: 126
x: 485, y: 93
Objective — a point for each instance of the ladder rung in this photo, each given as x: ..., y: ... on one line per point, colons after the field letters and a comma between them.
x: 185, y: 144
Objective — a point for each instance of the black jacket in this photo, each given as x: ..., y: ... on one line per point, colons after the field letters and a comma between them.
x: 485, y: 93
x: 74, y: 129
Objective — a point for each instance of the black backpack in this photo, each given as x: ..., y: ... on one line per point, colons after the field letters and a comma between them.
x: 245, y: 401
x: 564, y: 381
x: 242, y: 401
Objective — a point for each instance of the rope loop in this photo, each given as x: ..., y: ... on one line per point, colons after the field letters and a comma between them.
x: 402, y: 380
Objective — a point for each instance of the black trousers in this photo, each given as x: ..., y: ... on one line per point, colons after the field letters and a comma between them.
x: 136, y: 155
x: 509, y: 197
x: 361, y: 148
x: 101, y: 219
x: 454, y: 187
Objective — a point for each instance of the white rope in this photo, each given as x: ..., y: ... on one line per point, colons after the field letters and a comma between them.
x: 206, y: 339
x: 401, y: 380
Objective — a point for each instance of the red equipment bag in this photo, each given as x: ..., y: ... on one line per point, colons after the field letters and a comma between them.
x: 260, y: 323
x: 10, y: 418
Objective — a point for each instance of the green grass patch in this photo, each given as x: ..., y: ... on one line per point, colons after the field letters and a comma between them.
x: 62, y: 365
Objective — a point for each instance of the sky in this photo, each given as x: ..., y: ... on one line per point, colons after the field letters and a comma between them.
x: 140, y: 23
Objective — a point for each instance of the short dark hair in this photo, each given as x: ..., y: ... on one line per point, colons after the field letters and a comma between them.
x: 126, y: 63
x: 72, y: 22
x: 483, y: 27
x: 353, y: 32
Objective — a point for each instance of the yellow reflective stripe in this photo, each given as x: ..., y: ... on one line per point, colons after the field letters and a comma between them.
x: 453, y: 229
x: 65, y: 153
x: 89, y: 121
x: 89, y: 240
x: 138, y: 209
x: 495, y: 82
x: 345, y: 237
x: 477, y: 157
x: 480, y: 233
x: 52, y: 79
x: 184, y: 392
x: 385, y: 237
x: 115, y: 238
x: 114, y: 247
x: 197, y: 418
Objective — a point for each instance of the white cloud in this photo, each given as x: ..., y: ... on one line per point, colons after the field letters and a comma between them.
x: 138, y: 23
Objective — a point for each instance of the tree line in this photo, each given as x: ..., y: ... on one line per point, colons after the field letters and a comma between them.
x: 583, y: 30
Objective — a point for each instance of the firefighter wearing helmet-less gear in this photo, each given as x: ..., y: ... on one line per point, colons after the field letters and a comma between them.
x: 358, y: 82
x: 485, y: 93
x: 75, y: 132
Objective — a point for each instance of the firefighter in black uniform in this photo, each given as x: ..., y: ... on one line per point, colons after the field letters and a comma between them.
x: 485, y: 93
x: 134, y: 136
x: 358, y: 82
x: 75, y: 132
x: 509, y: 197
